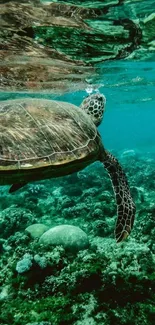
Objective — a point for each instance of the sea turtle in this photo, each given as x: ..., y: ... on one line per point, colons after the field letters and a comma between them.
x: 41, y: 139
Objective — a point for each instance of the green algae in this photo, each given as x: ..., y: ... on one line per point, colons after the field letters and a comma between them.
x: 55, y: 309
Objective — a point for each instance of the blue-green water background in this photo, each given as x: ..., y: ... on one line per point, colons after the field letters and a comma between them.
x: 129, y: 120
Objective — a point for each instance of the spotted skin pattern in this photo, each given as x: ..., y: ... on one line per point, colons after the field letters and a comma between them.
x: 125, y: 206
x: 94, y: 106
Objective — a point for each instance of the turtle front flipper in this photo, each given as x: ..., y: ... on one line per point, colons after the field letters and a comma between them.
x: 125, y: 206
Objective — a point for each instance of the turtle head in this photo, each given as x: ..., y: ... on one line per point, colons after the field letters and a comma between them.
x: 94, y: 106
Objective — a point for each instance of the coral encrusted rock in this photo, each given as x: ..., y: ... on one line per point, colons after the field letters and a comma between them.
x: 36, y: 230
x: 70, y: 237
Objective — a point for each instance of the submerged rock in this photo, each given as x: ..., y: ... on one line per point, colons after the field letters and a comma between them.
x: 36, y: 230
x: 70, y: 237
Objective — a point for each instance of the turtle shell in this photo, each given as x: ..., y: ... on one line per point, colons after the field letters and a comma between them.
x: 37, y: 133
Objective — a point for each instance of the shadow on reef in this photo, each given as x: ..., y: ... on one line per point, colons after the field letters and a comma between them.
x: 104, y: 284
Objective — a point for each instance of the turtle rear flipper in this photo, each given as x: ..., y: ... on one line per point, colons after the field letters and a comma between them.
x: 16, y: 187
x: 125, y: 206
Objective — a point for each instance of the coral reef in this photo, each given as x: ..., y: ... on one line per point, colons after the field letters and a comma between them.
x: 107, y: 283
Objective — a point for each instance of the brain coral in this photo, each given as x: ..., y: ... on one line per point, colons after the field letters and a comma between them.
x: 70, y: 237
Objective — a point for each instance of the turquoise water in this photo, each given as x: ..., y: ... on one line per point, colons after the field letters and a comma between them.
x: 129, y: 118
x: 129, y: 88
